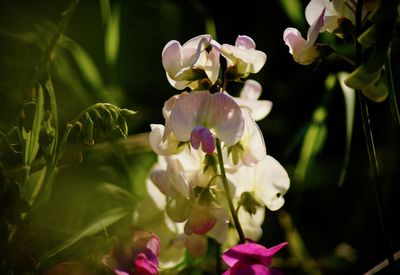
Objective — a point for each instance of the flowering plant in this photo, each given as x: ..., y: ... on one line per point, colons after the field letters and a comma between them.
x: 213, y: 170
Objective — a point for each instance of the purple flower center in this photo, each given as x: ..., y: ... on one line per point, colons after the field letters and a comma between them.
x: 202, y: 136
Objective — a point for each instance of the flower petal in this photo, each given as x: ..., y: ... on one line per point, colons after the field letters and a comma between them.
x: 196, y: 245
x: 185, y: 115
x: 171, y: 57
x: 144, y: 266
x: 245, y: 42
x: 218, y: 112
x: 251, y: 253
x: 272, y: 182
x: 251, y: 90
x: 200, y: 221
x: 246, y: 60
x: 177, y: 178
x: 167, y: 145
x: 315, y: 28
x: 314, y: 10
x: 225, y: 118
x: 203, y: 136
x: 294, y: 40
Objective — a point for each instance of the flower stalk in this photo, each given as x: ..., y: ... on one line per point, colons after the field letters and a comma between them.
x: 228, y: 193
x: 369, y: 139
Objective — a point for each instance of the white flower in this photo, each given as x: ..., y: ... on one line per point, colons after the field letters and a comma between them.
x: 199, y: 110
x: 243, y: 58
x: 248, y: 99
x: 189, y: 64
x: 268, y: 181
x: 251, y: 147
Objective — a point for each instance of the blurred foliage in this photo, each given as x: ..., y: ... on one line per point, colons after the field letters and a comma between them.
x: 88, y: 168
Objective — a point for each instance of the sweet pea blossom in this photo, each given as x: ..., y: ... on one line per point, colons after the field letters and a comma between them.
x: 199, y: 116
x: 248, y: 99
x: 314, y: 10
x: 252, y: 223
x: 163, y: 144
x: 181, y: 206
x: 251, y: 258
x: 189, y: 64
x: 251, y: 147
x: 137, y: 257
x: 267, y: 182
x: 242, y: 58
x: 304, y: 52
x: 208, y: 219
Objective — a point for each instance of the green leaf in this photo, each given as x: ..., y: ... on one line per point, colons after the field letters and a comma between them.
x: 54, y: 113
x: 105, y: 10
x: 111, y: 42
x: 108, y: 218
x: 33, y: 185
x: 361, y: 78
x: 116, y: 191
x: 313, y: 142
x: 86, y: 64
x: 31, y: 138
x: 294, y: 10
x: 350, y: 106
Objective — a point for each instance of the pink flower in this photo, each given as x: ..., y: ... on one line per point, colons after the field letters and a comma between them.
x: 137, y: 257
x: 251, y: 258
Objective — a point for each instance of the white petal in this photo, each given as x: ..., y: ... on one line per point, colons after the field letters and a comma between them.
x: 167, y: 146
x: 177, y: 178
x: 314, y: 9
x: 171, y: 57
x: 314, y: 29
x: 225, y: 118
x: 220, y: 229
x: 212, y: 66
x: 251, y: 224
x: 218, y: 112
x: 155, y: 194
x: 258, y: 109
x: 185, y: 115
x: 251, y: 90
x: 245, y: 42
x: 179, y: 85
x: 247, y: 60
x: 252, y: 141
x: 272, y: 183
x: 194, y: 47
x: 294, y: 40
x: 195, y: 41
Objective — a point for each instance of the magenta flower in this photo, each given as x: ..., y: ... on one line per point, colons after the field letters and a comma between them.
x: 137, y: 257
x: 251, y: 259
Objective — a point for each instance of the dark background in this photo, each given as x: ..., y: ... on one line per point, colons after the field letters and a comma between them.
x: 324, y: 213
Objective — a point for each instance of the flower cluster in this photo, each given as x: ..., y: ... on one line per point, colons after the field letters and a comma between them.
x: 339, y: 17
x: 211, y: 153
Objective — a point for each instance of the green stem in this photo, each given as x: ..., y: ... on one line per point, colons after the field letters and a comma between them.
x: 390, y: 82
x: 53, y: 164
x: 369, y: 139
x: 345, y: 58
x: 228, y: 193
